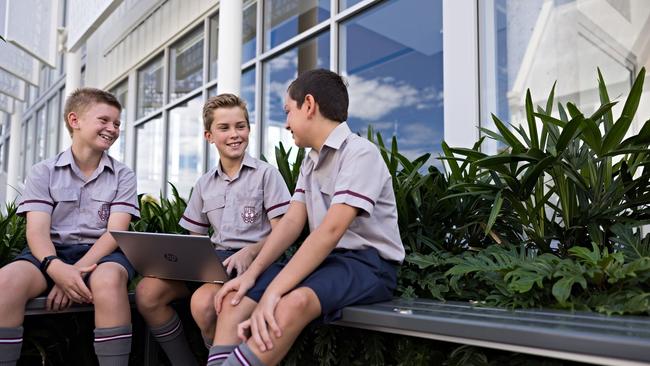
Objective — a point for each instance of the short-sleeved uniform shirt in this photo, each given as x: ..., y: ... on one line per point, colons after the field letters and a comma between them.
x: 349, y: 169
x: 79, y: 207
x: 239, y: 209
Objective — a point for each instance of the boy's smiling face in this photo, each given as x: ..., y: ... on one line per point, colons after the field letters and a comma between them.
x: 98, y: 126
x: 296, y: 121
x: 229, y: 133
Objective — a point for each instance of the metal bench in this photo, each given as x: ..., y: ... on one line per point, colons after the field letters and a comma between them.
x: 577, y: 336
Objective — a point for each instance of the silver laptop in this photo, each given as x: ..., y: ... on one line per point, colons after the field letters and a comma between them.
x: 172, y: 256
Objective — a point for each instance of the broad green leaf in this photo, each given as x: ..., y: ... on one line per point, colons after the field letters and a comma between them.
x: 507, y: 135
x: 496, y: 208
x: 604, y: 99
x: 530, y: 118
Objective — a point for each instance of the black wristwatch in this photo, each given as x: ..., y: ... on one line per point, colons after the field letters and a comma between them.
x: 46, y: 263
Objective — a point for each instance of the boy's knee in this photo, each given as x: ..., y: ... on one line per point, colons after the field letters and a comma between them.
x: 108, y: 279
x: 202, y: 305
x: 298, y: 303
x: 147, y: 296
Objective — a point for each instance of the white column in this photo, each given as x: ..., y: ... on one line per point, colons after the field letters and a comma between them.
x: 230, y: 39
x: 14, y: 153
x: 72, y: 82
x: 461, y: 72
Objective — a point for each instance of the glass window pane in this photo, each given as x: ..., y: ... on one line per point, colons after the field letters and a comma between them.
x: 214, y: 46
x: 248, y: 94
x: 118, y: 149
x: 249, y: 37
x: 532, y: 44
x: 395, y: 76
x: 186, y: 65
x: 53, y: 124
x: 41, y: 130
x: 249, y: 32
x: 284, y: 19
x: 28, y: 138
x: 149, y: 156
x: 344, y: 4
x: 186, y: 145
x: 150, y: 87
x: 279, y: 72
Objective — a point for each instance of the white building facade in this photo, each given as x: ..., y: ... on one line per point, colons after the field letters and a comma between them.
x: 422, y: 70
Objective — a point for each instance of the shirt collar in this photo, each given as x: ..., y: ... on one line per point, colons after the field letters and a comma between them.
x: 334, y: 140
x: 66, y: 158
x: 247, y: 161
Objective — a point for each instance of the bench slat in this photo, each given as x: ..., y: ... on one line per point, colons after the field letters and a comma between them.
x: 36, y: 306
x: 585, y: 337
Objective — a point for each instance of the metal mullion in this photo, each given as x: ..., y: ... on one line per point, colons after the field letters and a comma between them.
x: 206, y: 77
x: 355, y: 9
x: 165, y: 116
x: 334, y: 37
x: 259, y: 73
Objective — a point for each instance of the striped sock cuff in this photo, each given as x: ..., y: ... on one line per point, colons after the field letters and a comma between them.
x: 11, y: 341
x: 168, y: 331
x: 218, y: 354
x: 245, y: 356
x: 11, y: 335
x: 113, y: 341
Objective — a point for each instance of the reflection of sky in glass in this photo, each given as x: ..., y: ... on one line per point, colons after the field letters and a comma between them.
x: 150, y: 87
x: 186, y: 65
x: 344, y: 4
x: 279, y: 73
x: 53, y: 126
x: 249, y: 33
x: 41, y: 128
x: 185, y: 146
x: 248, y: 95
x: 395, y: 73
x: 149, y: 156
x: 284, y: 19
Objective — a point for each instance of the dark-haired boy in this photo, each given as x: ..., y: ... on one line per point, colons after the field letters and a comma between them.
x: 345, y: 193
x: 70, y: 201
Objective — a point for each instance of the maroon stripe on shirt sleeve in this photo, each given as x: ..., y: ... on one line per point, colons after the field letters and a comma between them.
x: 125, y: 204
x: 355, y: 194
x: 299, y: 190
x: 195, y: 222
x: 37, y: 201
x: 277, y: 206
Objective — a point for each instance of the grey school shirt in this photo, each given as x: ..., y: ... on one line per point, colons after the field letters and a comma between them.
x: 350, y: 170
x: 239, y: 209
x: 79, y: 207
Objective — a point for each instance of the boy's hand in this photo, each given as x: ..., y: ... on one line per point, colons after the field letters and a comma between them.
x: 57, y: 300
x: 240, y: 285
x: 240, y: 260
x: 262, y: 320
x: 71, y: 280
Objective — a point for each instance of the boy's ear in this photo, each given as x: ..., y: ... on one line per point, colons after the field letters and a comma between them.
x: 311, y: 105
x: 73, y: 120
x: 207, y: 135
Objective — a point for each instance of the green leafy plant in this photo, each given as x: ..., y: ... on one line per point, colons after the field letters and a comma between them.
x: 160, y: 215
x: 569, y: 182
x: 12, y: 234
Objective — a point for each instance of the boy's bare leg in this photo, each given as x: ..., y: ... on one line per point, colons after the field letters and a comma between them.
x: 153, y: 297
x: 23, y: 281
x: 108, y: 285
x: 225, y: 335
x: 203, y: 312
x: 294, y: 311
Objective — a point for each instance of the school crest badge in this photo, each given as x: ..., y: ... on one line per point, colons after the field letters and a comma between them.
x: 249, y: 215
x: 104, y: 212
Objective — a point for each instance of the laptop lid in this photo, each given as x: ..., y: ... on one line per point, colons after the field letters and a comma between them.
x: 172, y: 256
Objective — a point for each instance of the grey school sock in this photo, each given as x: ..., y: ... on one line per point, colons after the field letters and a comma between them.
x: 113, y: 345
x: 11, y: 341
x: 218, y: 354
x: 171, y: 338
x: 242, y: 355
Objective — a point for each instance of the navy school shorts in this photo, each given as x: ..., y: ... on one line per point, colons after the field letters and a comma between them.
x: 70, y: 254
x: 346, y: 277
